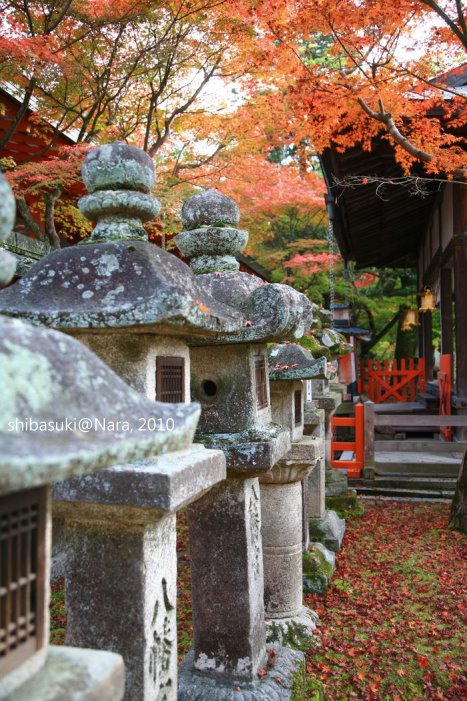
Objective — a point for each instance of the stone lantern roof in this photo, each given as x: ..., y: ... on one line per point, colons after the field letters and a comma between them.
x: 211, y: 241
x: 64, y: 412
x: 117, y: 279
x: 290, y: 361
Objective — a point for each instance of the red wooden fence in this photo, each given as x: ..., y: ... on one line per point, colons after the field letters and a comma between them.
x: 354, y: 466
x: 445, y: 392
x: 391, y: 381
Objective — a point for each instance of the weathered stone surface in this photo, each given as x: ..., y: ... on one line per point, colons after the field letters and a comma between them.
x: 7, y: 267
x: 275, y: 685
x: 336, y: 482
x: 290, y: 361
x: 7, y: 220
x: 328, y: 530
x: 328, y: 402
x: 316, y: 491
x: 223, y: 381
x: 227, y: 581
x: 210, y: 208
x: 37, y: 388
x: 306, y: 450
x: 296, y: 631
x: 121, y: 596
x: 249, y: 453
x: 318, y: 568
x: 147, y: 488
x: 282, y: 516
x: 282, y: 549
x: 116, y: 285
x: 7, y: 208
x: 212, y: 248
x: 283, y: 406
x: 73, y: 675
x: 118, y: 166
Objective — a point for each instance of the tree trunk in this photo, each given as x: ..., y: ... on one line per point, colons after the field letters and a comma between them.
x: 458, y: 518
x: 50, y: 198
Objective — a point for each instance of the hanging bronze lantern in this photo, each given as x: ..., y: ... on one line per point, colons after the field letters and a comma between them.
x: 428, y: 301
x: 410, y: 320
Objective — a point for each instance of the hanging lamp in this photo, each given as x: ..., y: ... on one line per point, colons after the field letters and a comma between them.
x: 428, y: 301
x: 410, y: 319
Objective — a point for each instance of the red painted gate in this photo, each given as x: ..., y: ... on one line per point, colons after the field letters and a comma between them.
x: 445, y: 392
x: 357, y: 446
x: 391, y: 381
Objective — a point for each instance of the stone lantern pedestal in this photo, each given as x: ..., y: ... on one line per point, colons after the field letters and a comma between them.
x: 288, y: 620
x: 230, y: 380
x: 121, y: 539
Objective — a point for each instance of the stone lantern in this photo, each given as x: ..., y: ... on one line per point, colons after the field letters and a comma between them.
x: 283, y: 495
x: 61, y: 417
x: 230, y: 380
x: 135, y: 305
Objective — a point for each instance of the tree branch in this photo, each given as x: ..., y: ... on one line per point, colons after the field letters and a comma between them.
x: 51, y: 232
x: 460, y: 32
x: 27, y: 217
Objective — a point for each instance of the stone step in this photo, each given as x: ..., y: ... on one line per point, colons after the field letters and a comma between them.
x: 431, y: 483
x: 423, y: 463
x: 414, y: 493
x: 420, y: 446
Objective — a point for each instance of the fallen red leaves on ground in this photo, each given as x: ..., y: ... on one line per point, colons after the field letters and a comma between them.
x: 393, y: 622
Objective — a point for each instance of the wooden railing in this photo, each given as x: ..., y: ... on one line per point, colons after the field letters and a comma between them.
x: 354, y: 466
x: 410, y: 421
x: 391, y: 381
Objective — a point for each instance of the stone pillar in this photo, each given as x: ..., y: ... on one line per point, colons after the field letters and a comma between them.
x: 226, y: 559
x: 316, y: 490
x: 281, y: 507
x: 230, y: 653
x: 121, y: 594
x: 121, y: 569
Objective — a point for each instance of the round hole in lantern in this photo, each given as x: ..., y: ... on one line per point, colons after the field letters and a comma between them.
x: 209, y: 388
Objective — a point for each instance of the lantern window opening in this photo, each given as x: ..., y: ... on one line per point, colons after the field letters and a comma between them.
x: 22, y: 576
x: 170, y: 379
x: 261, y: 381
x: 298, y: 407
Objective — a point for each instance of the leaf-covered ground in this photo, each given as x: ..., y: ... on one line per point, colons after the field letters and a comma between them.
x: 393, y: 622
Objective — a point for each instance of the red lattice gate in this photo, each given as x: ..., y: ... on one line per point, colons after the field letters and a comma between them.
x: 392, y: 381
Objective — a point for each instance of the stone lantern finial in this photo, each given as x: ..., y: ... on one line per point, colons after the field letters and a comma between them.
x: 211, y: 239
x: 119, y: 178
x: 7, y: 220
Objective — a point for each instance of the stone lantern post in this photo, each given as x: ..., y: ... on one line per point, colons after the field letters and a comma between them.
x: 282, y: 504
x: 56, y: 396
x: 135, y: 305
x: 230, y: 379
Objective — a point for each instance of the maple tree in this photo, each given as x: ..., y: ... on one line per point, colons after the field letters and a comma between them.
x: 127, y: 70
x: 373, y: 67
